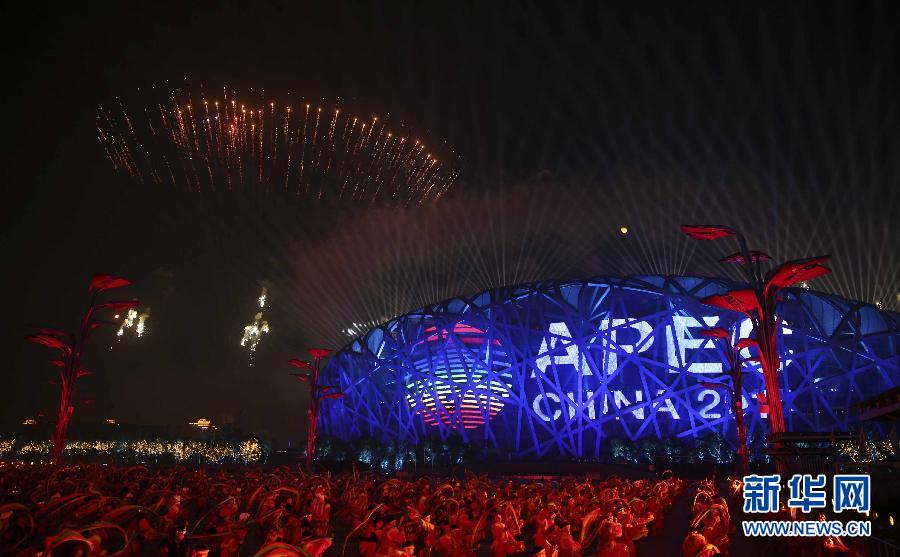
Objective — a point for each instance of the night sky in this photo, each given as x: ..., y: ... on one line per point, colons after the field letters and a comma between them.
x: 565, y: 123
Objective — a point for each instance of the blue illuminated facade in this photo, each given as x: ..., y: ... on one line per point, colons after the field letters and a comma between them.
x: 556, y: 368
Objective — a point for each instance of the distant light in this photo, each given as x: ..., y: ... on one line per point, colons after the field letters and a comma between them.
x: 623, y: 230
x: 202, y: 423
x: 262, y: 298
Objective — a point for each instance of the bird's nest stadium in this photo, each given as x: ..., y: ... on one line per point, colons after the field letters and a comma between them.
x: 552, y: 369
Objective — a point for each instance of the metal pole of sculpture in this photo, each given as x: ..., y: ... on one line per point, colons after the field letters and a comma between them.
x: 759, y: 302
x: 735, y: 363
x: 317, y: 394
x: 72, y: 345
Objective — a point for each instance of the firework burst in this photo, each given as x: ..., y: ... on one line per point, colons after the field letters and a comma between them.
x: 254, y: 330
x: 311, y: 151
x: 135, y: 321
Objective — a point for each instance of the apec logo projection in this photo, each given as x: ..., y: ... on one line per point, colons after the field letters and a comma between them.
x: 598, y: 357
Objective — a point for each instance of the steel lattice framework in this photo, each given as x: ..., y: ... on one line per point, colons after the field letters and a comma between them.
x: 555, y: 368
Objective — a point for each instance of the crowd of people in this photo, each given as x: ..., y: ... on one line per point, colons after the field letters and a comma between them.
x: 710, y: 525
x: 95, y: 510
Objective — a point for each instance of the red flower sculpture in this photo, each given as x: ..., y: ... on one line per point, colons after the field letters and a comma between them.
x: 707, y: 231
x: 753, y: 257
x: 733, y: 356
x: 102, y: 281
x: 743, y: 301
x: 72, y: 345
x: 759, y: 301
x: 317, y: 393
x: 746, y: 343
x: 715, y: 332
x: 798, y: 270
x: 300, y: 364
x: 48, y: 341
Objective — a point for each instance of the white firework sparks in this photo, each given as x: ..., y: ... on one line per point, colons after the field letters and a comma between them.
x: 262, y: 298
x: 135, y: 320
x: 254, y: 330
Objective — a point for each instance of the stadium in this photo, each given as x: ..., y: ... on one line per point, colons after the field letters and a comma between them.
x: 555, y: 369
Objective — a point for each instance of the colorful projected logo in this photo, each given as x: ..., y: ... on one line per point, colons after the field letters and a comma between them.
x: 461, y: 375
x: 564, y: 368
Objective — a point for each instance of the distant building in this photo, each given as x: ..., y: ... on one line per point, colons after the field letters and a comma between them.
x: 559, y: 368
